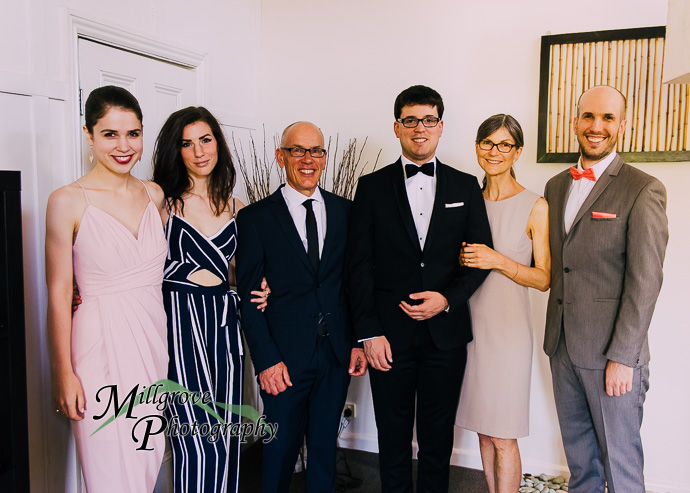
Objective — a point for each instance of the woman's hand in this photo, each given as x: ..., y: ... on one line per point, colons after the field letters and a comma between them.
x: 69, y: 396
x: 76, y: 299
x: 261, y: 296
x: 479, y: 256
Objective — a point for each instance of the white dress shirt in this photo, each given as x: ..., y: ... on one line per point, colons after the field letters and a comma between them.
x: 580, y: 189
x: 420, y: 194
x: 294, y: 200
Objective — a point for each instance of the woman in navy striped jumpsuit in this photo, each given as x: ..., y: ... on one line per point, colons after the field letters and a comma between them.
x: 192, y: 164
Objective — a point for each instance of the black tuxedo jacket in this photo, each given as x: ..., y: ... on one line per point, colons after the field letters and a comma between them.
x: 386, y: 263
x: 269, y: 245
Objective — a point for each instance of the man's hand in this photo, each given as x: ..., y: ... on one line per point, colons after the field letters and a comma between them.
x: 434, y: 303
x: 358, y: 362
x: 619, y: 378
x: 275, y: 379
x: 378, y: 353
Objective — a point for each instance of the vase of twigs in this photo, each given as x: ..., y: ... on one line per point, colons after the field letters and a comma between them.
x: 340, y: 176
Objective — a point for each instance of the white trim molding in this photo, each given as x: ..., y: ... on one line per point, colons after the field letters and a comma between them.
x: 119, y: 37
x: 80, y: 26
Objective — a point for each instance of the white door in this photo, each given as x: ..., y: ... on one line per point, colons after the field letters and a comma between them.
x: 160, y: 86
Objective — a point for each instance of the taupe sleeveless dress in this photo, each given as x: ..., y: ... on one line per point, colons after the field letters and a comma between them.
x: 495, y: 392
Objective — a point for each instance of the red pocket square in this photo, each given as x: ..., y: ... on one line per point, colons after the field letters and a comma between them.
x: 603, y: 215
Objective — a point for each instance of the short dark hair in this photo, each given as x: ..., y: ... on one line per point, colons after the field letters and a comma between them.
x: 170, y: 172
x: 416, y: 95
x: 495, y: 123
x: 103, y: 98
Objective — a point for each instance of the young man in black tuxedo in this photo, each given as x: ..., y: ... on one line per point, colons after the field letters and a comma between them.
x: 409, y: 294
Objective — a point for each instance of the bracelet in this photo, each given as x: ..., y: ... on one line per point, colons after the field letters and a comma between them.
x: 516, y: 271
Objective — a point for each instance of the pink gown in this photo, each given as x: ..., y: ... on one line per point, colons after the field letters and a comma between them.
x: 119, y: 338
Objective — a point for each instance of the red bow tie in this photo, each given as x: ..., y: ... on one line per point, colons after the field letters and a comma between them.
x: 577, y: 174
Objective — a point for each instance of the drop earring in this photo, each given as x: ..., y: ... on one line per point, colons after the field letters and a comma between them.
x: 91, y: 154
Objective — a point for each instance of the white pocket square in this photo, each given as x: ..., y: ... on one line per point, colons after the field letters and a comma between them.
x: 455, y: 204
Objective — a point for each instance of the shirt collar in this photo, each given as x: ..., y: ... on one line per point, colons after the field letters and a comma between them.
x: 599, y: 168
x: 407, y: 161
x: 297, y: 198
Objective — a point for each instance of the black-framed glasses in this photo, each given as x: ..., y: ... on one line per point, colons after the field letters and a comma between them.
x: 487, y: 145
x: 297, y: 151
x: 412, y: 122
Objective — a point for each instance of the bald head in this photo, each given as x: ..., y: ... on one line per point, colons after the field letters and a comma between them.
x: 607, y: 93
x: 302, y: 156
x: 599, y: 124
x: 298, y: 127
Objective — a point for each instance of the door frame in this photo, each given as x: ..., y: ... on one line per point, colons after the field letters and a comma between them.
x: 79, y: 26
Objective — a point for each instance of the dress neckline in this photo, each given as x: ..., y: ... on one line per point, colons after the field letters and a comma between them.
x: 208, y: 238
x: 506, y: 199
x: 136, y: 237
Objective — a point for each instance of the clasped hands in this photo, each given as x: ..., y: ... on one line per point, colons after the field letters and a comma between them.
x: 378, y: 350
x: 433, y: 303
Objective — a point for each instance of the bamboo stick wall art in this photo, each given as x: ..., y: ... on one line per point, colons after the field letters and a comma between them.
x: 632, y: 60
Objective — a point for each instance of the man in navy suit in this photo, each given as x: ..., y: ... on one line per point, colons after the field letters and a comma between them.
x: 302, y: 345
x: 409, y: 294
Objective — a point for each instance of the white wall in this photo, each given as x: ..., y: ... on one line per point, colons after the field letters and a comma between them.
x: 341, y: 64
x: 37, y: 134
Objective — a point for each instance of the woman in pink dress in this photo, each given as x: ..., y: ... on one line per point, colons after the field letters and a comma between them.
x: 105, y: 231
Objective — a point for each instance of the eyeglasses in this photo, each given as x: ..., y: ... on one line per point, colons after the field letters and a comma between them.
x: 487, y: 145
x: 297, y: 151
x: 412, y: 122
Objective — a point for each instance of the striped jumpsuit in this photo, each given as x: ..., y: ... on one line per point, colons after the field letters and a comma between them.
x: 206, y: 354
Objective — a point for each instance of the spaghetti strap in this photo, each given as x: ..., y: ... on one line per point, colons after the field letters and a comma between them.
x: 83, y: 190
x: 145, y: 188
x: 233, y: 205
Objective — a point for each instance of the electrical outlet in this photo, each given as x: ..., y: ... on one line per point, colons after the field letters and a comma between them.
x: 350, y: 410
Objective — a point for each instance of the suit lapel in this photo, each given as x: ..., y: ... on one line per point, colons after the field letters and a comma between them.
x: 403, y: 202
x: 282, y: 213
x: 603, y: 182
x: 561, y: 196
x: 439, y: 202
x: 332, y: 219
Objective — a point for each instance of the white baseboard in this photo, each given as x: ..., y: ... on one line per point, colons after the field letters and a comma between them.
x: 663, y: 487
x: 358, y: 441
x: 471, y: 459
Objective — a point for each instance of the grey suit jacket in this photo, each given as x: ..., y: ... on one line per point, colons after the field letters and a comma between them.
x: 606, y: 272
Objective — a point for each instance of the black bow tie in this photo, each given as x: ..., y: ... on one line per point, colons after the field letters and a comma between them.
x: 413, y: 169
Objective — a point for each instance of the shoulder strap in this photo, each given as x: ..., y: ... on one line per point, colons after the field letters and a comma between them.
x: 146, y: 188
x: 233, y: 204
x: 83, y: 190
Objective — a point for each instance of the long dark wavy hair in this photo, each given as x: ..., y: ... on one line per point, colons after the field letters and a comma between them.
x: 170, y: 172
x: 494, y: 124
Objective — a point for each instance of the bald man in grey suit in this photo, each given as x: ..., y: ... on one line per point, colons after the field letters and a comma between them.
x: 608, y: 240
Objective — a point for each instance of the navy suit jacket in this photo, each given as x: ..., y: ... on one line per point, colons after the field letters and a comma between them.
x: 386, y: 263
x: 269, y: 245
